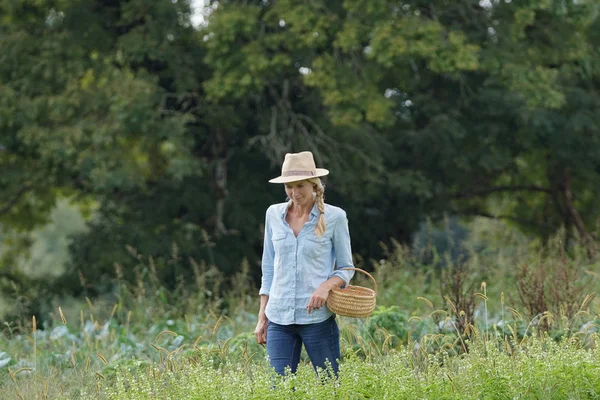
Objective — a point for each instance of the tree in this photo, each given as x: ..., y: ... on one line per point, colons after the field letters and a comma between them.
x: 419, y: 108
x: 94, y: 105
x: 448, y: 105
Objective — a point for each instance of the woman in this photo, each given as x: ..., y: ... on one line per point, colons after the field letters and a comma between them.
x: 304, y: 239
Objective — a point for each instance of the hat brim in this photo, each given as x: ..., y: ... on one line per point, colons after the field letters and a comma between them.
x: 286, y: 179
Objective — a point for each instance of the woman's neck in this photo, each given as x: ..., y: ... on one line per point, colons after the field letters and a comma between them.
x: 300, y: 211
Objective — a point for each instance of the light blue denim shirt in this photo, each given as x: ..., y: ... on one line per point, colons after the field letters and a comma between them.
x: 294, y: 267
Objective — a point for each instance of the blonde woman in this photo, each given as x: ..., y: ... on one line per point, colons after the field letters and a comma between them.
x: 304, y: 239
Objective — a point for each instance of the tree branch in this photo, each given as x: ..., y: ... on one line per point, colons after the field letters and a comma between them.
x: 10, y: 204
x: 479, y: 213
x: 487, y: 191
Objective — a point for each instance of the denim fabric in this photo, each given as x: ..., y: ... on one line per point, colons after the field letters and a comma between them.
x: 321, y: 340
x: 294, y: 267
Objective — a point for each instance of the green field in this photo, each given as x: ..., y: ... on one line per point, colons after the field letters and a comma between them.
x: 438, y: 332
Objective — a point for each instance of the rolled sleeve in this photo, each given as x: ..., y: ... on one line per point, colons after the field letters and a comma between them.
x: 268, y: 257
x: 342, y: 249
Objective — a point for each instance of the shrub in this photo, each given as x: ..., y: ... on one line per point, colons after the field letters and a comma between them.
x: 557, y: 289
x: 387, y: 326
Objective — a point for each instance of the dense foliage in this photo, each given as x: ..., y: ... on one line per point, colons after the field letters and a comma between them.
x: 165, y: 134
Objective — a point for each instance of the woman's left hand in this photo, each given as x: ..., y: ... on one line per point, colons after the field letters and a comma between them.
x: 319, y: 297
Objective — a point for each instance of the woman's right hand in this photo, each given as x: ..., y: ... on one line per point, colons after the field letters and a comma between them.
x: 261, y: 331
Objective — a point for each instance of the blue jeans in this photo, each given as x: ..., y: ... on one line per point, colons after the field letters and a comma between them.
x: 321, y: 340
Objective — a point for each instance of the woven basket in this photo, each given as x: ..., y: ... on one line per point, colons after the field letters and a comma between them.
x: 353, y: 301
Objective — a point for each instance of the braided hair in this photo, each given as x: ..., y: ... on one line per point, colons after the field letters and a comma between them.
x: 319, y: 191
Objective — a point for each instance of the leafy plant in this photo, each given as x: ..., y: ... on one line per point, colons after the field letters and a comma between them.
x: 387, y: 327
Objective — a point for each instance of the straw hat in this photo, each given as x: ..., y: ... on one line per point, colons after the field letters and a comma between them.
x: 297, y: 167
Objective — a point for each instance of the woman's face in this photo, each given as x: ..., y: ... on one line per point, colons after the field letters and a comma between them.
x: 300, y: 192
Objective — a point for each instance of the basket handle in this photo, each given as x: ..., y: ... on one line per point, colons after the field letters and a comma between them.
x: 364, y: 272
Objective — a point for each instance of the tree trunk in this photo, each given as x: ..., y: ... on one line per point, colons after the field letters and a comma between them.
x: 219, y: 150
x: 586, y: 237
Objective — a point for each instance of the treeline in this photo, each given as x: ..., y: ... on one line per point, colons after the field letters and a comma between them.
x: 166, y: 133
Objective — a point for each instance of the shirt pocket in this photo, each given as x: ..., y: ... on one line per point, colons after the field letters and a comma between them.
x: 316, y: 246
x: 278, y: 239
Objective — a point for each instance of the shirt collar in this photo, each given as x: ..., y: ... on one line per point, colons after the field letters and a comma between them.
x: 315, y: 210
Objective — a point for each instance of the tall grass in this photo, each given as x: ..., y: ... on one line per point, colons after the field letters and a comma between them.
x: 143, y: 341
x: 536, y: 368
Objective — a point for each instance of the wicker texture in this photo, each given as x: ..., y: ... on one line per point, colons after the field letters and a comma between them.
x: 353, y: 301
